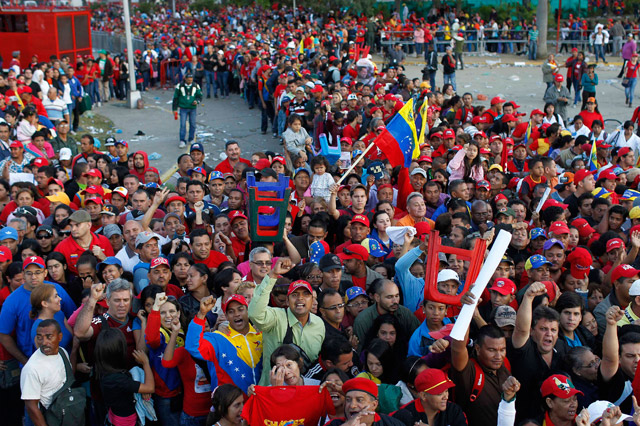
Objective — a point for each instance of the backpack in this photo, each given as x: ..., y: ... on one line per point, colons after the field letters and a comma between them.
x: 478, y: 383
x: 67, y: 408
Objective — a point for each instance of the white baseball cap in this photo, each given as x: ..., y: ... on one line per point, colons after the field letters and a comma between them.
x: 596, y: 410
x: 634, y: 290
x: 448, y: 274
x: 65, y: 154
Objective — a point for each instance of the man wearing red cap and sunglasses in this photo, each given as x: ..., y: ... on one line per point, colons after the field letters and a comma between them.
x: 293, y: 325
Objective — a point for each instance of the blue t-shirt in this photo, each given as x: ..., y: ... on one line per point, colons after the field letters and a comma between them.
x: 15, y: 315
x: 67, y: 337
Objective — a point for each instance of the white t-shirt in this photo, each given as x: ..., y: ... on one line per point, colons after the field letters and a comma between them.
x: 42, y: 376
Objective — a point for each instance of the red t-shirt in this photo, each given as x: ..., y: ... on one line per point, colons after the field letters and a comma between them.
x: 213, y: 261
x: 589, y: 117
x: 292, y: 405
x: 71, y: 250
x: 350, y: 132
x: 225, y: 166
x: 521, y: 130
x: 197, y: 389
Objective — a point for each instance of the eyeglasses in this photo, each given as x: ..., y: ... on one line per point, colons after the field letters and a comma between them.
x: 44, y: 237
x: 263, y: 264
x: 357, y: 304
x: 65, y: 232
x: 334, y: 307
x: 33, y: 273
x: 592, y: 364
x: 314, y: 277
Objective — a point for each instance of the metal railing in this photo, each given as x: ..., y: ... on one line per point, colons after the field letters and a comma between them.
x: 114, y: 43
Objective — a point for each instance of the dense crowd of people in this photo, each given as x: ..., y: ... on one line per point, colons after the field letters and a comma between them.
x: 127, y: 300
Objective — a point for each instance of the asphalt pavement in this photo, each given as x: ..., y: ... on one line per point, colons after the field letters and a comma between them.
x: 219, y: 120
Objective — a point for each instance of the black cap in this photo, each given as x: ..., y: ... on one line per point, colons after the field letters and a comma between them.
x: 110, y: 209
x: 23, y: 210
x: 329, y: 261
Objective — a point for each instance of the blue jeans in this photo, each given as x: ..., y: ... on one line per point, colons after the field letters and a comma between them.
x: 628, y: 91
x: 450, y: 79
x: 210, y: 79
x: 223, y: 82
x: 184, y: 115
x: 187, y: 420
x: 281, y: 121
x: 599, y: 51
x: 419, y: 48
x: 533, y: 50
x: 166, y: 417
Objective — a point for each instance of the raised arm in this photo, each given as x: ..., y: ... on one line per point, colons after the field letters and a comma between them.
x: 263, y: 316
x: 523, y: 318
x: 83, y: 330
x: 610, y: 358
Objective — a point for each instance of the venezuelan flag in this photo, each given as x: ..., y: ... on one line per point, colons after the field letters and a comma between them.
x: 593, y: 158
x: 399, y: 140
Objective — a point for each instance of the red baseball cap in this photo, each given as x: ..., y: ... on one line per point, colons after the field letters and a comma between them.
x: 33, y: 260
x: 449, y: 134
x: 615, y: 243
x: 16, y: 144
x: 559, y: 228
x: 584, y: 229
x: 354, y: 251
x: 497, y: 100
x: 500, y: 197
x: 360, y: 218
x: 175, y: 198
x: 607, y: 174
x: 559, y: 386
x: 96, y: 200
x: 301, y: 284
x: 553, y: 203
x: 159, y: 261
x: 624, y: 151
x: 624, y: 270
x: 94, y: 173
x: 559, y: 78
x: 433, y: 381
x: 237, y: 214
x: 360, y: 384
x: 262, y: 163
x: 5, y: 254
x: 40, y: 162
x: 602, y: 145
x: 422, y: 228
x: 581, y: 261
x: 536, y: 112
x: 504, y: 286
x: 390, y: 97
x: 94, y: 189
x: 234, y: 298
x: 509, y: 117
x: 581, y: 174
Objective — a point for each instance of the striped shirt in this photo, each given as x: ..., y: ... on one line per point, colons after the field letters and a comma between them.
x: 56, y: 109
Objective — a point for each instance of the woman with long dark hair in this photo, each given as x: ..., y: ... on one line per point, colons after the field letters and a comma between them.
x: 466, y: 163
x: 227, y: 401
x: 116, y: 383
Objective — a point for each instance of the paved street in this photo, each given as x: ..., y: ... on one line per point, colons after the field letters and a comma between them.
x: 223, y: 119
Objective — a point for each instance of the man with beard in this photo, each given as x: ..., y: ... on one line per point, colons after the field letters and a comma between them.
x: 356, y: 272
x: 140, y: 165
x: 387, y: 301
x: 534, y: 355
x: 232, y: 150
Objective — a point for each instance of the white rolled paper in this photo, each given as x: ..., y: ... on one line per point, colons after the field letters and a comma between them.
x: 493, y: 260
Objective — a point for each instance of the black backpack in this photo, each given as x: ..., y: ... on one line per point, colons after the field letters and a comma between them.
x: 67, y: 408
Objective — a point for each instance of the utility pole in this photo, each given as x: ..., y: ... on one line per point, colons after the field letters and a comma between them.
x: 134, y: 94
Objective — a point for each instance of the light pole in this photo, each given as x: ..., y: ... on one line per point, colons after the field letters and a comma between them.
x: 134, y: 94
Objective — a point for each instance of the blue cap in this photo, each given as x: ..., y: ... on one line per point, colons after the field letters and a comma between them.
x: 200, y: 170
x: 373, y: 247
x: 8, y: 233
x: 197, y: 147
x: 301, y: 169
x: 535, y: 262
x: 317, y: 250
x: 552, y: 242
x: 111, y: 260
x: 216, y: 175
x: 151, y: 185
x: 537, y: 233
x: 285, y: 99
x: 353, y: 292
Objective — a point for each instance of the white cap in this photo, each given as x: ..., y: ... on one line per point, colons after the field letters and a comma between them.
x: 634, y: 290
x: 597, y: 408
x: 352, y: 97
x: 310, y: 85
x: 65, y: 154
x: 419, y: 171
x: 448, y: 274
